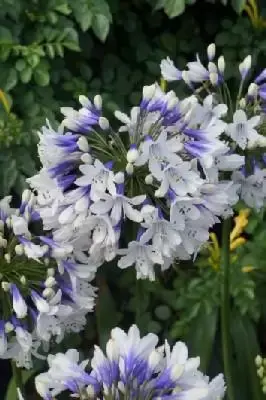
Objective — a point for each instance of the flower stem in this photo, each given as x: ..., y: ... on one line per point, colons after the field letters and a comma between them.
x: 225, y: 308
x: 17, y: 375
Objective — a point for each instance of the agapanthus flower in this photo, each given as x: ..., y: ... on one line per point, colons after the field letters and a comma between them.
x: 132, y: 366
x: 164, y: 146
x: 37, y: 298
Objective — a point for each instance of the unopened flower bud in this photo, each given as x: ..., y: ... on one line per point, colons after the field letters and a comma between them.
x: 3, y: 243
x: 242, y: 103
x: 98, y: 102
x: 258, y: 361
x: 84, y: 101
x: 7, y: 257
x: 5, y: 286
x: 245, y: 66
x: 47, y: 259
x: 50, y: 272
x: 211, y: 51
x: 260, y: 372
x: 26, y: 195
x: 129, y: 169
x: 221, y: 64
x: 104, y: 123
x: 148, y: 92
x: 48, y: 292
x: 253, y: 90
x: 119, y: 178
x: 9, y: 327
x: 8, y: 222
x: 23, y: 280
x: 264, y: 389
x: 50, y: 282
x: 214, y: 78
x: 83, y: 144
x: 19, y: 249
x: 86, y: 158
x: 177, y: 371
x: 132, y: 154
x: 149, y: 179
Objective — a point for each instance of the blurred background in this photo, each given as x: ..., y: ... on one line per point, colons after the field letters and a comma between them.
x: 51, y: 51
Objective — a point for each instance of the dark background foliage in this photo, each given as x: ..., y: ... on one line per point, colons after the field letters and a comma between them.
x: 51, y: 51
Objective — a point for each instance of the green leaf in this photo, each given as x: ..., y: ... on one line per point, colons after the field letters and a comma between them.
x: 9, y: 176
x: 41, y: 76
x: 71, y: 45
x: 238, y: 5
x: 246, y: 349
x: 106, y: 314
x: 25, y: 75
x: 5, y: 35
x: 201, y: 336
x: 11, y: 393
x: 11, y: 80
x: 100, y: 26
x: 173, y: 8
x: 20, y: 64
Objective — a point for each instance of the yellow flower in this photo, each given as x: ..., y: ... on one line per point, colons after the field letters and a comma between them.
x: 236, y: 240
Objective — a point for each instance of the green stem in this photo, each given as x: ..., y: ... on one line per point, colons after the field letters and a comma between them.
x: 138, y: 302
x: 17, y: 375
x: 225, y: 308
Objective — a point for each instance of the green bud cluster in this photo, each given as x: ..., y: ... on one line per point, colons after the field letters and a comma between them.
x: 260, y: 363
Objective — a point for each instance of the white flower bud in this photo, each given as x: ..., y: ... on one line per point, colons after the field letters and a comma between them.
x: 50, y: 272
x: 9, y: 327
x: 221, y: 64
x: 159, y: 193
x: 26, y: 195
x: 172, y: 102
x: 48, y: 292
x: 119, y: 178
x: 253, y: 90
x: 214, y: 78
x: 83, y: 144
x: 242, y: 103
x: 47, y: 259
x: 149, y: 91
x: 104, y: 123
x: 8, y: 222
x: 84, y: 101
x: 86, y: 158
x: 23, y: 280
x: 132, y: 154
x: 211, y: 51
x: 3, y: 243
x: 98, y: 102
x: 129, y: 169
x: 149, y: 179
x: 50, y: 282
x: 112, y: 350
x: 245, y: 66
x: 258, y: 361
x: 19, y: 249
x: 5, y: 286
x: 212, y: 68
x: 90, y: 391
x: 7, y: 257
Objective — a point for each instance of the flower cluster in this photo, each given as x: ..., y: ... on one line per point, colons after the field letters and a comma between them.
x: 133, y: 368
x: 38, y: 302
x: 147, y: 190
x: 244, y: 120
